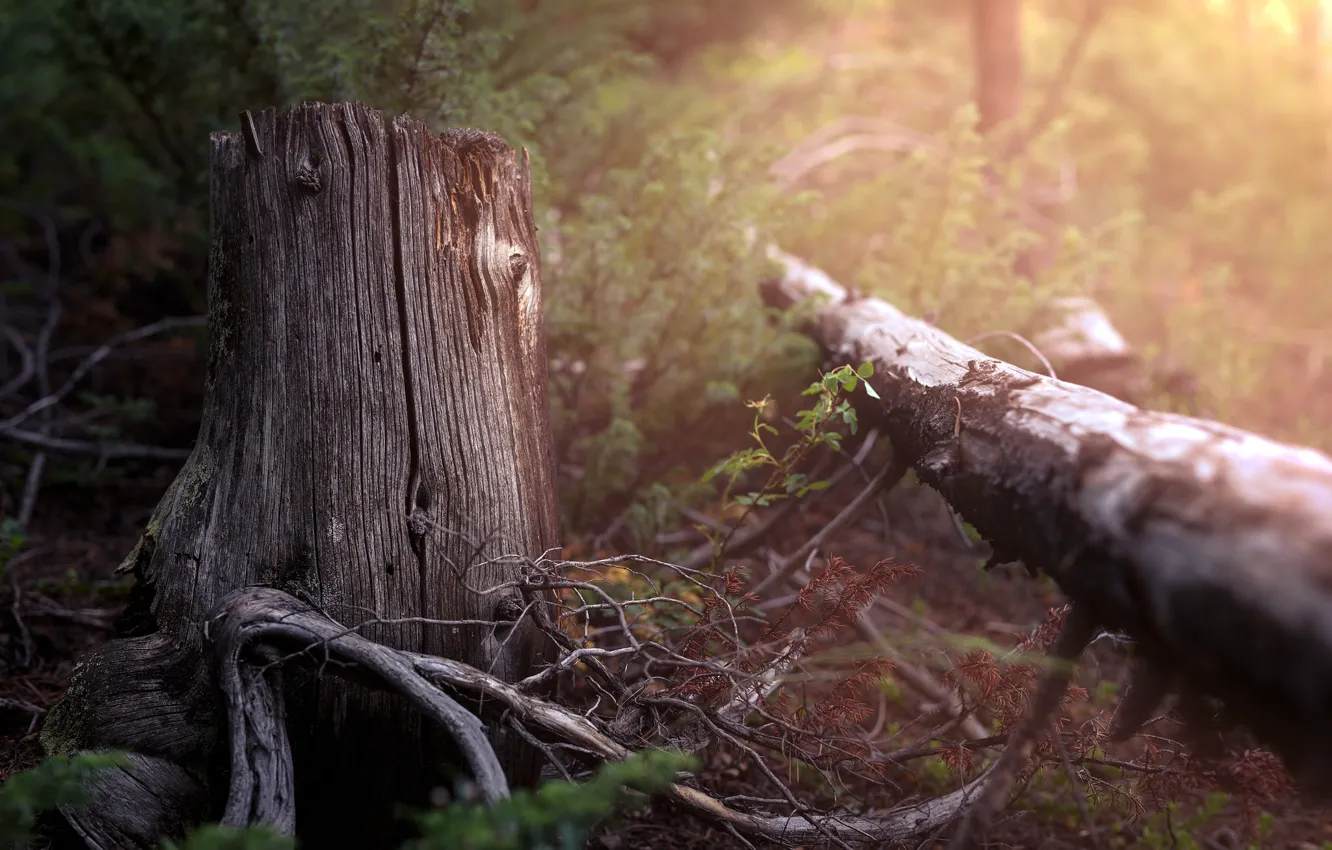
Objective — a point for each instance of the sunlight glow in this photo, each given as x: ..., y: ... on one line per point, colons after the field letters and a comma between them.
x: 1276, y: 14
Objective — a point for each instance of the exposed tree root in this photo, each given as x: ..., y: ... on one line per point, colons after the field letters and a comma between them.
x: 262, y: 777
x: 289, y: 631
x: 136, y: 806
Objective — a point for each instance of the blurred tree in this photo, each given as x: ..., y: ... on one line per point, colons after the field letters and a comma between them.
x: 1309, y: 22
x: 997, y: 32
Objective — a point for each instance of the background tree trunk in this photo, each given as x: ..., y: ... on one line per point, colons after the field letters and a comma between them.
x: 375, y: 433
x: 997, y: 31
x: 997, y: 36
x: 1309, y: 33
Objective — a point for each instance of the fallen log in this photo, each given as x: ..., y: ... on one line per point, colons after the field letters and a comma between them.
x: 1210, y: 546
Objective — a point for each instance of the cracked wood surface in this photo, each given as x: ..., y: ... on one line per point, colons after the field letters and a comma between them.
x: 375, y: 434
x: 1210, y: 545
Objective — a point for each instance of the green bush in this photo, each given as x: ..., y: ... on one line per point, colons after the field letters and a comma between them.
x: 655, y: 296
x: 652, y: 212
x: 559, y: 815
x: 58, y: 781
x: 652, y: 126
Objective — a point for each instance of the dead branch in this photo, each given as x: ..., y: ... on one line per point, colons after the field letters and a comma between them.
x: 97, y: 356
x: 1073, y: 638
x: 885, y: 479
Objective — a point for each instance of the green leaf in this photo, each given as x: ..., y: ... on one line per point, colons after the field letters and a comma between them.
x: 811, y: 487
x: 58, y: 781
x: 558, y: 814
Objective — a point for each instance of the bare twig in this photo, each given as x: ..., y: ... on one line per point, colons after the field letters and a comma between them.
x: 106, y: 451
x: 891, y: 473
x: 1020, y: 340
x: 97, y: 357
x: 31, y: 484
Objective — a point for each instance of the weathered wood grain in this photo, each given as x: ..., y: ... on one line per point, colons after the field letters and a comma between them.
x: 374, y: 438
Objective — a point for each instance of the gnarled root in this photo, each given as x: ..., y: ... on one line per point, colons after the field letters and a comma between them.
x: 297, y: 632
x: 264, y: 626
x: 149, y: 696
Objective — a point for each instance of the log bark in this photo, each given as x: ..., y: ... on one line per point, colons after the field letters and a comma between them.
x: 375, y: 439
x: 1211, y: 546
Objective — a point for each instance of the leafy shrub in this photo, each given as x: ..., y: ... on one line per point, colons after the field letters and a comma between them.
x: 560, y: 814
x: 655, y: 299
x: 58, y: 781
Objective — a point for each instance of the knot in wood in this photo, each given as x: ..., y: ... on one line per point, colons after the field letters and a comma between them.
x: 418, y: 523
x: 509, y: 609
x: 307, y: 177
x: 979, y: 370
x: 517, y: 265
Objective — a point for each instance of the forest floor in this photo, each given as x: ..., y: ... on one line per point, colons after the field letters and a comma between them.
x: 59, y: 600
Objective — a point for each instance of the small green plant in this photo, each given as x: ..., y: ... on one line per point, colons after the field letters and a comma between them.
x: 217, y: 837
x: 814, y: 427
x: 58, y: 781
x: 1166, y: 830
x: 559, y: 815
x: 12, y: 538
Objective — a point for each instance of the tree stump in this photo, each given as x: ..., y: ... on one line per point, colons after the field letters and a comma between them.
x: 375, y: 439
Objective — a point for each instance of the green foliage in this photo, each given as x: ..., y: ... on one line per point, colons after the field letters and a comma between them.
x: 216, y: 837
x: 1167, y: 829
x: 812, y: 427
x: 560, y: 815
x: 653, y: 294
x: 1175, y: 199
x: 120, y: 95
x: 12, y: 538
x: 58, y: 781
